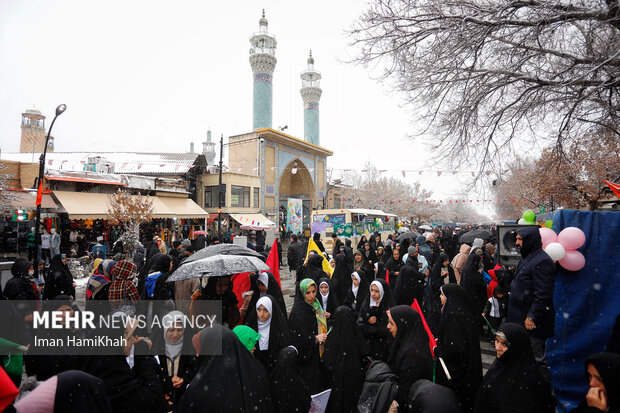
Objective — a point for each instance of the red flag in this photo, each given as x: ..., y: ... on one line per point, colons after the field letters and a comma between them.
x: 39, y: 194
x: 431, y: 340
x: 614, y: 187
x: 8, y: 391
x: 273, y: 262
x: 241, y: 284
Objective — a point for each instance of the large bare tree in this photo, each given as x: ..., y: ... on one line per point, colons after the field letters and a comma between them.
x: 491, y: 76
x: 576, y: 182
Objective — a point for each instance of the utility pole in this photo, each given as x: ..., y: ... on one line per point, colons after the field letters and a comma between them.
x: 219, y: 193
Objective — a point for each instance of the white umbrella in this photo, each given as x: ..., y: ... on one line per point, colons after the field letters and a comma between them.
x: 218, y: 265
x: 426, y: 227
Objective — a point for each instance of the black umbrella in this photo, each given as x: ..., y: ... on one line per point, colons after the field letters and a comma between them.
x: 411, y: 235
x: 218, y: 265
x: 468, y: 237
x: 221, y: 249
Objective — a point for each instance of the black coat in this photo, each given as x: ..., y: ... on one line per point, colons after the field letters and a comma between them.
x: 459, y: 347
x: 531, y: 291
x: 377, y: 335
x: 345, y: 349
x: 200, y: 242
x: 291, y: 255
x: 303, y: 328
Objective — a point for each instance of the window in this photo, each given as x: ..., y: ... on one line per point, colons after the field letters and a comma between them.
x: 239, y: 196
x: 211, y: 196
x: 337, y: 203
x: 256, y: 197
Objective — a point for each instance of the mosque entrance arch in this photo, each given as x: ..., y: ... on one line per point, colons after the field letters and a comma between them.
x: 296, y: 182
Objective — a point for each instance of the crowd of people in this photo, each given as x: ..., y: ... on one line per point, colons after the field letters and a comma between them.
x: 396, y: 327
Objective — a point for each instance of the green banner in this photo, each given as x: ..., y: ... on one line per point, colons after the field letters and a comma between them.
x: 348, y: 230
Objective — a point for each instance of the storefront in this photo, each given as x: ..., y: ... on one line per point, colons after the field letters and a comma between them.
x: 18, y: 223
x: 85, y: 219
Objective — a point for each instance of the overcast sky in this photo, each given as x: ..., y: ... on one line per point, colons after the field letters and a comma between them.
x: 153, y: 76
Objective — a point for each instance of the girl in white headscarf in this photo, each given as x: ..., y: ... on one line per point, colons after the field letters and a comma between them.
x: 173, y: 343
x: 271, y: 324
x: 326, y: 298
x: 373, y: 319
x: 358, y: 292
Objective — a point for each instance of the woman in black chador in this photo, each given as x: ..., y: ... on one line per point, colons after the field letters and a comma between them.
x: 172, y: 343
x: 514, y: 383
x: 441, y: 273
x: 393, y: 266
x: 59, y: 280
x: 231, y: 382
x: 265, y: 284
x: 327, y: 298
x: 459, y: 346
x: 289, y: 391
x: 271, y: 324
x: 373, y: 319
x: 345, y: 350
x: 341, y: 279
x: 308, y: 332
x: 410, y: 357
x: 410, y: 285
x: 357, y: 293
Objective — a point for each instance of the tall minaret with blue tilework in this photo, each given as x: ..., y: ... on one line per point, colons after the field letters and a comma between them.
x: 311, y: 94
x: 263, y: 61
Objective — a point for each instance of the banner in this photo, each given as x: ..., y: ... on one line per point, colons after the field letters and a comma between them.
x: 294, y: 213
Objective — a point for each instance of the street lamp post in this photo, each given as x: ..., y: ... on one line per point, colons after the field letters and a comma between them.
x: 37, y: 237
x: 219, y: 194
x: 333, y: 184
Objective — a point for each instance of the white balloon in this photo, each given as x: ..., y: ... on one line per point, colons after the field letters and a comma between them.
x: 522, y: 221
x: 556, y: 251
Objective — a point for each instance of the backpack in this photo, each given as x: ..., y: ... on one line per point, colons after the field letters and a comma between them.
x: 149, y: 284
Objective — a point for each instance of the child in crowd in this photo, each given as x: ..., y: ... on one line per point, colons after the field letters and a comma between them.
x: 496, y: 309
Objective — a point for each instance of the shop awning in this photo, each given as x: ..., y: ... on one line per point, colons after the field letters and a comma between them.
x: 184, y: 207
x: 27, y: 200
x: 86, y: 205
x: 253, y: 221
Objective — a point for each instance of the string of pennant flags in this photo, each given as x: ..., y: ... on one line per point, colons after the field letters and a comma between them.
x: 451, y: 201
x: 403, y: 172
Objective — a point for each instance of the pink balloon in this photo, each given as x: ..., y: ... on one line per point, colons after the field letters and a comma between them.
x: 573, y: 260
x: 571, y: 238
x: 547, y: 236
